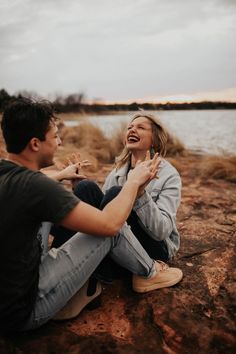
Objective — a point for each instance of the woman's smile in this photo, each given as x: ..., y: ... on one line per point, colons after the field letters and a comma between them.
x: 139, y: 134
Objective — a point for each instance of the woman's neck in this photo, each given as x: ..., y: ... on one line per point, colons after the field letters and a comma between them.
x: 137, y: 155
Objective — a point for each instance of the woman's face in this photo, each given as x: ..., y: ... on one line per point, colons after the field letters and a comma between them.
x: 139, y: 135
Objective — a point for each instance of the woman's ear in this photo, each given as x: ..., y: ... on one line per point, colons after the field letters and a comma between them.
x: 34, y: 144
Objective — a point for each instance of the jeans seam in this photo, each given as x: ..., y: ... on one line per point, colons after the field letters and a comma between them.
x: 139, y: 255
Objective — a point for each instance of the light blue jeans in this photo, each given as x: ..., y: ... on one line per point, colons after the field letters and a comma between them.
x: 63, y: 271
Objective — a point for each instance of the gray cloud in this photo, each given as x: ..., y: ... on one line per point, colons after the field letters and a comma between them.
x: 117, y: 49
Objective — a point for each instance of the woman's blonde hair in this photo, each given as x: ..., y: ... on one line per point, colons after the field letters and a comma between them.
x: 159, y: 136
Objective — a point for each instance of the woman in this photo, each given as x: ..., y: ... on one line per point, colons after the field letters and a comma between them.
x: 153, y: 218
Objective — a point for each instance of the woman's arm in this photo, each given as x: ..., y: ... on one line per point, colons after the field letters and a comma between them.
x: 157, y: 208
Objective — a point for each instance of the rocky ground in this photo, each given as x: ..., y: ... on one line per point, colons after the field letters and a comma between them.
x: 195, y: 316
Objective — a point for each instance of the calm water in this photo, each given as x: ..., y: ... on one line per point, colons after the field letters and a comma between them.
x: 211, y: 131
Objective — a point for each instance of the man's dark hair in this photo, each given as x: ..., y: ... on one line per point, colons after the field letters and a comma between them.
x: 24, y: 119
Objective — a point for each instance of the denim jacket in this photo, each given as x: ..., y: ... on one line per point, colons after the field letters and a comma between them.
x: 157, y: 207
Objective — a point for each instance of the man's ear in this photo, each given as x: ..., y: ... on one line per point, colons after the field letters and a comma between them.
x: 34, y: 144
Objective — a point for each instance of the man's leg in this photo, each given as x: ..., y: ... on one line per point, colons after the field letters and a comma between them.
x: 64, y: 270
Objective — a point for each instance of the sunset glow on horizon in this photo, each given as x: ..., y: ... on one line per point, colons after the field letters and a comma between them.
x: 227, y: 95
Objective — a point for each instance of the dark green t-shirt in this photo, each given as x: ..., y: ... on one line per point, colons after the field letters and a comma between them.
x: 27, y: 198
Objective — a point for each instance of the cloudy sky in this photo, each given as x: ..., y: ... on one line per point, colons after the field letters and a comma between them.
x: 119, y: 50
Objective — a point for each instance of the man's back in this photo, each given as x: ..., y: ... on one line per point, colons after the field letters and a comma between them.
x: 19, y: 250
x: 26, y: 199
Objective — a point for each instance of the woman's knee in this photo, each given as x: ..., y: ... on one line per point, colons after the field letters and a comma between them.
x: 84, y: 186
x: 110, y: 194
x: 89, y: 192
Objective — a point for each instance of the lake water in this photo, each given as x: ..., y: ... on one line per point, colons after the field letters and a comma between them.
x: 209, y: 131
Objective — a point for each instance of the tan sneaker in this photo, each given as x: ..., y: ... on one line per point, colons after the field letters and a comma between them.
x: 165, y: 277
x: 76, y: 304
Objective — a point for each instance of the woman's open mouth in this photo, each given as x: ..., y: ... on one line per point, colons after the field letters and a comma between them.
x: 132, y: 139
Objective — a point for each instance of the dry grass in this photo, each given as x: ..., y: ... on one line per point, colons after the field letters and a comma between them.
x: 64, y: 152
x: 219, y: 167
x: 117, y: 140
x: 90, y: 138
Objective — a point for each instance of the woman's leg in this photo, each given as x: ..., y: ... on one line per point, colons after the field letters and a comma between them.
x: 155, y: 249
x: 64, y: 270
x: 87, y: 191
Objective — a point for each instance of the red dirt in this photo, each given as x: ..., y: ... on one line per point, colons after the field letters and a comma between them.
x: 195, y: 316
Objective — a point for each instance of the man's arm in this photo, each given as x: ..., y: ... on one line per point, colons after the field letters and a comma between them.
x: 108, y: 221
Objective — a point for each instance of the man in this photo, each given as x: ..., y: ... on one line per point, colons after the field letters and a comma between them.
x: 36, y: 283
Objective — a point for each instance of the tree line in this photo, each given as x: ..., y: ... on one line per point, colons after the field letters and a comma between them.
x: 76, y: 103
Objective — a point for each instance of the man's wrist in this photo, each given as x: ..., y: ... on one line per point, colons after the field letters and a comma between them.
x: 134, y: 184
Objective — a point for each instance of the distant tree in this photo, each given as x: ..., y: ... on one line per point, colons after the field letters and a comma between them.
x: 28, y: 94
x: 72, y: 102
x: 74, y: 99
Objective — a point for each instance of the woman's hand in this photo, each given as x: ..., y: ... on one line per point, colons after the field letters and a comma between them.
x: 144, y: 171
x: 154, y: 169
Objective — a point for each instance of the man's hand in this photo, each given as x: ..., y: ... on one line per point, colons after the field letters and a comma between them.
x: 72, y: 170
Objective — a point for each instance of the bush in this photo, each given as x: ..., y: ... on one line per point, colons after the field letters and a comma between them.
x: 90, y: 137
x: 219, y: 167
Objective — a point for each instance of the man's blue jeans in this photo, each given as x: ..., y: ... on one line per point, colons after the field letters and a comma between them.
x: 64, y: 270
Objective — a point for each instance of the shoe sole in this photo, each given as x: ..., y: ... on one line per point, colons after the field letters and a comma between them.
x: 145, y: 289
x: 72, y: 311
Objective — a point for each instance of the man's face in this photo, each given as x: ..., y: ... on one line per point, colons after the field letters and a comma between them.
x: 49, y: 146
